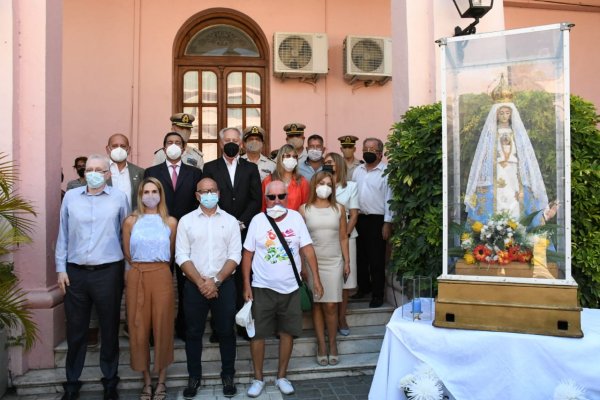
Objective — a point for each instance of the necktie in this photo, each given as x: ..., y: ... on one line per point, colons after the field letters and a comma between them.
x: 174, y: 176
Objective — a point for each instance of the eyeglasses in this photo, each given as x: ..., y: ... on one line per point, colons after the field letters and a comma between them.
x: 371, y: 150
x: 279, y: 196
x: 103, y: 171
x: 290, y: 156
x: 207, y: 191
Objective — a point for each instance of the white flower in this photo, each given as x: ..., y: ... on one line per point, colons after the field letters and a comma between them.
x: 569, y: 390
x: 425, y: 388
x: 405, y: 381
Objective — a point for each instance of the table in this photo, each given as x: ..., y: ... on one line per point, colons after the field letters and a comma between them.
x: 488, y: 365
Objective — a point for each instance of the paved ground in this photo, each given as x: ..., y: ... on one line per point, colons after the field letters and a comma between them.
x: 344, y: 388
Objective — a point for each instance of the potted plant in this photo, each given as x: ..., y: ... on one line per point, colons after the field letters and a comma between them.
x: 15, y: 227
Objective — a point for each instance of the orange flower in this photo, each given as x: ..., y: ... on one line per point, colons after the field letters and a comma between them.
x: 481, y: 252
x: 503, y: 257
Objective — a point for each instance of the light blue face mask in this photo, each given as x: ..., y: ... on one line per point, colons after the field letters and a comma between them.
x: 94, y: 179
x: 209, y: 200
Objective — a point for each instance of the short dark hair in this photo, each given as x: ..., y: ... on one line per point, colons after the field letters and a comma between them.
x: 315, y: 137
x: 80, y: 158
x: 172, y: 134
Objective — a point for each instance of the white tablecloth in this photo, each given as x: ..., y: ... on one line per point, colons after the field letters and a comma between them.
x: 478, y: 365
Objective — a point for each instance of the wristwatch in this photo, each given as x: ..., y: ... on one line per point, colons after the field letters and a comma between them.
x: 217, y: 281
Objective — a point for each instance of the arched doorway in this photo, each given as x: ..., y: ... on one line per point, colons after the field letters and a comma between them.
x: 220, y: 75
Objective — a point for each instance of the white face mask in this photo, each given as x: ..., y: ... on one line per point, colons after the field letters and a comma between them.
x: 289, y: 163
x: 323, y: 191
x: 315, y: 155
x: 118, y: 154
x: 276, y: 211
x: 173, y: 152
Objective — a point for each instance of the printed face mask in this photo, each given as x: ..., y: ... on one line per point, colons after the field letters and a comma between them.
x: 151, y: 200
x: 254, y: 146
x: 323, y: 191
x: 173, y: 152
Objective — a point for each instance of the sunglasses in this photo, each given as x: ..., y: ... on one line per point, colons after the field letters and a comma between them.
x: 279, y: 196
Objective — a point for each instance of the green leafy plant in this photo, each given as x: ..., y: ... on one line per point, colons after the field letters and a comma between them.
x: 414, y: 152
x: 15, y: 227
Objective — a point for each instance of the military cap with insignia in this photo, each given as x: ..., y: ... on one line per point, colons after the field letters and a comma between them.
x: 294, y: 129
x: 254, y: 131
x: 183, y: 120
x: 348, y: 140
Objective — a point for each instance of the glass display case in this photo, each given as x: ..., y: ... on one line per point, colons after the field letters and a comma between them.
x: 505, y: 102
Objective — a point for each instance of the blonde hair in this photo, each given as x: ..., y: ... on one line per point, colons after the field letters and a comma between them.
x: 341, y: 169
x: 161, y: 207
x: 312, y: 197
x: 279, y: 169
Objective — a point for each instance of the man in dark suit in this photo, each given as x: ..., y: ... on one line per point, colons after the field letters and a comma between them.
x: 125, y: 176
x: 179, y: 183
x: 240, y: 189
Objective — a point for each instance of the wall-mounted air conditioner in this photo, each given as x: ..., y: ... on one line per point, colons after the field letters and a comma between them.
x: 299, y: 54
x: 367, y: 58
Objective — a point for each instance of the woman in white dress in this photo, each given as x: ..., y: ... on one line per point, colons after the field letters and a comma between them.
x: 346, y: 194
x: 326, y: 223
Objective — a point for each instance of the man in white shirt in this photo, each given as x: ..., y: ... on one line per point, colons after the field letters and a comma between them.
x: 124, y: 176
x: 374, y: 224
x: 274, y: 289
x: 208, y: 249
x: 254, y: 138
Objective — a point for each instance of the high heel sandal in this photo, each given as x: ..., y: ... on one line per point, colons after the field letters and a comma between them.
x: 160, y: 394
x: 322, y: 360
x: 146, y: 393
x: 334, y: 360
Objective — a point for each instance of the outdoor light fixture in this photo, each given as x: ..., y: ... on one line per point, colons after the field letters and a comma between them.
x: 471, y: 9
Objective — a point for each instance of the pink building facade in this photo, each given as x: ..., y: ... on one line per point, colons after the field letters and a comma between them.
x: 74, y: 72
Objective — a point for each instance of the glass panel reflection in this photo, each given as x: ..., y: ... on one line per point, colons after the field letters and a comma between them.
x: 221, y: 40
x: 194, y: 112
x: 209, y: 123
x: 252, y: 88
x: 209, y: 87
x: 234, y: 88
x: 190, y: 87
x: 209, y: 150
x: 253, y: 116
x: 234, y: 117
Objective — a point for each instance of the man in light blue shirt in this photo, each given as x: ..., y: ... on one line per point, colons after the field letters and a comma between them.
x: 90, y: 268
x: 314, y: 160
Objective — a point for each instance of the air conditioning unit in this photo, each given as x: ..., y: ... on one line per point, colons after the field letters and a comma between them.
x: 367, y: 58
x: 300, y: 54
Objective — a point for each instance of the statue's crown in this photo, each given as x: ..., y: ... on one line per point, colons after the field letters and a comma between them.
x: 502, y: 93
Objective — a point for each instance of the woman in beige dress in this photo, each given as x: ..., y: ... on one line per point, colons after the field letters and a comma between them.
x: 326, y: 222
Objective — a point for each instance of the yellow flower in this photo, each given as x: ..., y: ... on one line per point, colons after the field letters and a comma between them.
x: 477, y: 227
x: 469, y: 258
x: 512, y: 224
x: 465, y: 236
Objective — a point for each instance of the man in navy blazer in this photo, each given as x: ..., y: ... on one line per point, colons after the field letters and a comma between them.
x: 179, y: 183
x: 239, y: 186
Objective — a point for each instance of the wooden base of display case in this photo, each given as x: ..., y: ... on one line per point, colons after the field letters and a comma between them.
x: 539, y: 309
x: 512, y: 269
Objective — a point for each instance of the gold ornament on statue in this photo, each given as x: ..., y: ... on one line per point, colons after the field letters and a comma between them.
x: 502, y: 93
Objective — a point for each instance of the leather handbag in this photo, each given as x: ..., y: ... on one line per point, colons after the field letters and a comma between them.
x: 306, y: 295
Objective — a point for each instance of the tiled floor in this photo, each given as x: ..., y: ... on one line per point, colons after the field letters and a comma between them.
x: 343, y: 388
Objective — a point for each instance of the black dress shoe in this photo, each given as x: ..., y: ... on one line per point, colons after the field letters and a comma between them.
x: 70, y: 396
x: 376, y: 302
x: 192, y: 388
x: 229, y: 389
x: 111, y: 393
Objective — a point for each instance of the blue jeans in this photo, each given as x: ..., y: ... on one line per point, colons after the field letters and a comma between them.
x: 222, y: 309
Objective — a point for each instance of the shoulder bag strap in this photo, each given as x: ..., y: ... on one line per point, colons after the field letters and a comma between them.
x: 286, y: 247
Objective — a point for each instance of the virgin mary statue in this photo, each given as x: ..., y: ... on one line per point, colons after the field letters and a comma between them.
x: 505, y: 176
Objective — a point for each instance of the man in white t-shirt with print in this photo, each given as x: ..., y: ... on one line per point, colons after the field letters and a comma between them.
x: 274, y: 289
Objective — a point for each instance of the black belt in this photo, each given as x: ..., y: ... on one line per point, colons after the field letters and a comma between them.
x: 91, y: 267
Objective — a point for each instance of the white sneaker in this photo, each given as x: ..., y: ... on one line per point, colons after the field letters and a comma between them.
x: 284, y: 386
x: 256, y: 388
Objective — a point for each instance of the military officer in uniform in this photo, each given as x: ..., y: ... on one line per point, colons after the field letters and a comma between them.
x: 295, y: 137
x: 182, y: 123
x: 348, y: 148
x: 254, y: 138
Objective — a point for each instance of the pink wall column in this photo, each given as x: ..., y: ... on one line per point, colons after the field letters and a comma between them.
x: 36, y: 147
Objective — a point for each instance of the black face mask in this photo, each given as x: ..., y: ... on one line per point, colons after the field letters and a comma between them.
x: 81, y: 172
x: 328, y: 168
x: 231, y: 149
x: 369, y: 157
